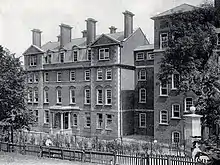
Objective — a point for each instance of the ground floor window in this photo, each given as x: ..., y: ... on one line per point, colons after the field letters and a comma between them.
x: 46, y: 116
x: 99, y: 120
x: 142, y: 120
x: 176, y: 137
x: 75, y: 120
x: 36, y: 115
x: 88, y: 120
x: 108, y: 121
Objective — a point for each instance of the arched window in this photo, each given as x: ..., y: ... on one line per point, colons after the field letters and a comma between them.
x: 163, y: 117
x: 72, y: 95
x: 142, y: 95
x: 99, y: 95
x: 108, y: 96
x: 46, y: 95
x: 87, y: 95
x: 59, y: 95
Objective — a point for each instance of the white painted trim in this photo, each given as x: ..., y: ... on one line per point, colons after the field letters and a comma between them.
x: 161, y: 117
x: 172, y: 136
x: 145, y: 122
x: 144, y: 96
x: 85, y: 74
x: 97, y: 74
x: 161, y: 89
x: 185, y: 103
x: 106, y: 96
x: 173, y: 117
x: 110, y: 70
x: 136, y: 58
x: 58, y: 76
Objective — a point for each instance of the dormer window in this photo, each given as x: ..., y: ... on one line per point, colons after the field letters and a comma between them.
x: 104, y: 54
x: 75, y: 55
x: 33, y: 60
x: 89, y: 54
x: 163, y: 40
x: 62, y: 57
x: 47, y: 59
x: 218, y: 39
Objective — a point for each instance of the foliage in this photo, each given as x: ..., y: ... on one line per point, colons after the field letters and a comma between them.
x: 12, y: 93
x: 191, y: 54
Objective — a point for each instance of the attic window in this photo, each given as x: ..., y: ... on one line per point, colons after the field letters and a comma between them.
x: 48, y: 59
x: 62, y: 57
x: 33, y: 60
x: 104, y: 54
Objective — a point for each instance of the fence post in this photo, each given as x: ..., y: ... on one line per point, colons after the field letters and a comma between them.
x: 168, y: 160
x: 142, y: 159
x: 115, y: 157
x: 83, y: 156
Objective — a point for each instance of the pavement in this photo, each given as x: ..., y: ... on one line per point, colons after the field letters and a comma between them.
x: 18, y: 159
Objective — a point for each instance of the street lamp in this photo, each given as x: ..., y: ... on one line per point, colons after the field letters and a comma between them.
x: 13, y: 119
x: 151, y: 145
x: 192, y: 109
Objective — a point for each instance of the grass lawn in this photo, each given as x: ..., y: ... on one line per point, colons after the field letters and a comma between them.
x: 18, y: 159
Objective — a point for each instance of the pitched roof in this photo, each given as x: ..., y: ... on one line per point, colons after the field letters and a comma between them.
x: 178, y: 9
x: 80, y: 42
x: 145, y: 47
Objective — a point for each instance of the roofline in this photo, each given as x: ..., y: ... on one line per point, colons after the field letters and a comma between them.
x: 156, y: 16
x: 41, y: 50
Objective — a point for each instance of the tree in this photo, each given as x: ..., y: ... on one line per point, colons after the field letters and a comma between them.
x: 191, y: 53
x: 12, y: 91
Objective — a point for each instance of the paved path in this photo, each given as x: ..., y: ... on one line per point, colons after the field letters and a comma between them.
x: 18, y: 159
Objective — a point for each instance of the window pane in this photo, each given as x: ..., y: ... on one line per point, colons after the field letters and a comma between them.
x: 108, y: 74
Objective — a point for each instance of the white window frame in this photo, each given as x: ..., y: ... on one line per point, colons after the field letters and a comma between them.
x: 87, y: 77
x: 87, y: 98
x: 36, y: 77
x: 36, y: 95
x: 89, y: 54
x: 138, y: 55
x: 47, y: 58
x: 87, y: 118
x: 108, y: 126
x: 185, y: 105
x: 98, y: 99
x: 150, y: 55
x: 75, y: 120
x: 173, y: 110
x: 59, y: 76
x: 161, y: 117
x: 72, y: 75
x: 98, y: 119
x: 62, y: 54
x: 161, y: 40
x: 99, y: 74
x: 161, y: 89
x: 218, y: 38
x: 46, y: 77
x: 105, y: 55
x: 140, y: 121
x: 58, y: 101
x: 173, y: 82
x: 71, y: 96
x: 30, y: 95
x: 30, y: 78
x: 145, y: 96
x: 46, y: 96
x: 108, y: 73
x: 36, y: 114
x: 107, y: 97
x: 75, y: 53
x: 142, y: 71
x: 173, y: 137
x: 46, y: 116
x: 33, y: 60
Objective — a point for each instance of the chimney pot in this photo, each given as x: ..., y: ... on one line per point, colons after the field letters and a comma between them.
x: 65, y: 34
x: 128, y: 23
x: 36, y: 37
x: 112, y: 29
x: 84, y: 33
x: 91, y: 30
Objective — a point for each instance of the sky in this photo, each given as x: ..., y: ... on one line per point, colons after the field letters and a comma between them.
x: 19, y: 17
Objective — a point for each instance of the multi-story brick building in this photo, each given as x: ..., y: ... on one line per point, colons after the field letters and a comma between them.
x: 84, y: 86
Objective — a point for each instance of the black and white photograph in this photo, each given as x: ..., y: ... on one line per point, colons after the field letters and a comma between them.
x: 110, y: 82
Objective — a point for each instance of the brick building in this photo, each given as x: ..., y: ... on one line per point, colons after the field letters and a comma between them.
x: 84, y: 86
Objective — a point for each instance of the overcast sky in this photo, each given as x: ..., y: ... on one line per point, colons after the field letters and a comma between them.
x: 19, y: 17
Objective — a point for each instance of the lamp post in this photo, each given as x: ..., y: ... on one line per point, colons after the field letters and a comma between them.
x: 192, y: 109
x: 151, y: 145
x: 13, y: 119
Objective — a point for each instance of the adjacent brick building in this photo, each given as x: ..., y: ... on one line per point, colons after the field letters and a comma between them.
x: 84, y: 86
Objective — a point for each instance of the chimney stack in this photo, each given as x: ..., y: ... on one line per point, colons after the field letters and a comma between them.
x: 128, y: 23
x: 65, y: 34
x: 112, y: 29
x: 58, y: 38
x: 84, y: 33
x: 36, y: 37
x: 91, y: 30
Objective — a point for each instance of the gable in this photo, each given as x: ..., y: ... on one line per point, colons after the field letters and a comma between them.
x: 33, y: 50
x: 104, y: 40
